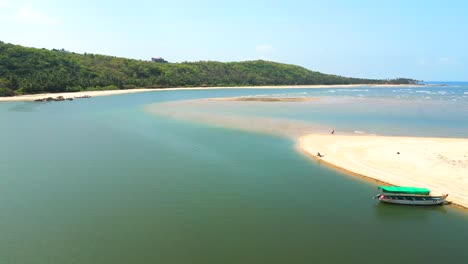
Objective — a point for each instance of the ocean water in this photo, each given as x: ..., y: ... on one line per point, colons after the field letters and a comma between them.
x: 101, y: 180
x: 434, y: 111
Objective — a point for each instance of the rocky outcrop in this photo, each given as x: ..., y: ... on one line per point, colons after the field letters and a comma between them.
x: 59, y: 98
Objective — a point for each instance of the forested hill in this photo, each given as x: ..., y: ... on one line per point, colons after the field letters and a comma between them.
x: 29, y: 70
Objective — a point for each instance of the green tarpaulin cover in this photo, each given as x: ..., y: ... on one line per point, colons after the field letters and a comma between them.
x: 402, y: 189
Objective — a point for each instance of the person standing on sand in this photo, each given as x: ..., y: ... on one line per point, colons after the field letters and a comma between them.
x: 333, y: 132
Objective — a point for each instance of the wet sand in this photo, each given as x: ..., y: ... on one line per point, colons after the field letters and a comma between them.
x: 208, y: 111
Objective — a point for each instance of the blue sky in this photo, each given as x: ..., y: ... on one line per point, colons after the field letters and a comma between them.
x: 425, y: 40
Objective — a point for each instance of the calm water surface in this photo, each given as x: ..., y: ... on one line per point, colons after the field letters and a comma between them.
x: 102, y: 181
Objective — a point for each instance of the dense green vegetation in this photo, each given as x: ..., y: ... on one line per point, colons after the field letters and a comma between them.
x: 29, y: 70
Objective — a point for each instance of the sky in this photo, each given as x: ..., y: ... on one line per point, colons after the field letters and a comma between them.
x: 420, y: 39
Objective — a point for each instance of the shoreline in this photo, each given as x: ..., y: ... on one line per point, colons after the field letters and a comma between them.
x: 436, y: 163
x: 32, y: 97
x: 373, y: 158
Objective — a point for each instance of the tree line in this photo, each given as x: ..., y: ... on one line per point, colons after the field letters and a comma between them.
x: 26, y: 70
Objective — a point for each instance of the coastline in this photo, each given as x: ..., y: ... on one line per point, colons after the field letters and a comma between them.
x: 440, y: 164
x: 32, y: 97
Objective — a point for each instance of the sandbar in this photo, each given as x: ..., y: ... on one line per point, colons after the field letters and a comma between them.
x: 440, y: 164
x: 267, y: 99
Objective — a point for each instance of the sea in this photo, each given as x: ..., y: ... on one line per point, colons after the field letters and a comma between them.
x: 104, y: 180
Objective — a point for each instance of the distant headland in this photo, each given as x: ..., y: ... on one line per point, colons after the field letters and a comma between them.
x: 26, y: 70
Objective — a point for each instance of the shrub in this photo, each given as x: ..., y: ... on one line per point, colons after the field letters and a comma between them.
x: 6, y: 92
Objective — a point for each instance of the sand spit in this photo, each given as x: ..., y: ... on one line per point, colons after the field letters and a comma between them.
x: 267, y: 99
x: 32, y: 97
x: 440, y: 164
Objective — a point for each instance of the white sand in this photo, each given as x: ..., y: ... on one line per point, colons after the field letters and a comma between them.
x: 440, y: 164
x: 32, y: 97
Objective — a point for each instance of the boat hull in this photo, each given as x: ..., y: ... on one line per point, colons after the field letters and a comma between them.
x: 413, y: 200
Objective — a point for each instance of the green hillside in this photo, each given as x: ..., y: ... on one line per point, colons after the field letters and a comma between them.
x: 29, y: 70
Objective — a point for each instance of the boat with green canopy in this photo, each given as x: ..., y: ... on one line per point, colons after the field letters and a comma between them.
x: 405, y: 190
x: 409, y: 195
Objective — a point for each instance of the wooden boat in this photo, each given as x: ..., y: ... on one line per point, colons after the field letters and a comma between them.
x: 409, y: 196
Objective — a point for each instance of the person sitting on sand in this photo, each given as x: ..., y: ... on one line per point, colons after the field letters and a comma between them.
x: 319, y: 155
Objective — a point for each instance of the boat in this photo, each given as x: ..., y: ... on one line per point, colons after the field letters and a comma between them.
x: 409, y: 196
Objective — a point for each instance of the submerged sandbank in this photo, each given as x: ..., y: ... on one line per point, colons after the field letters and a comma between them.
x: 32, y: 97
x: 211, y: 112
x: 440, y: 164
x: 267, y: 99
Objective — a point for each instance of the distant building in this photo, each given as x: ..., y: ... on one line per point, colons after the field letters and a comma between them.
x: 159, y: 60
x: 61, y: 50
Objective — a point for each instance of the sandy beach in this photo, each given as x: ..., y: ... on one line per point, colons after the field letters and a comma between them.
x: 440, y: 164
x: 32, y: 97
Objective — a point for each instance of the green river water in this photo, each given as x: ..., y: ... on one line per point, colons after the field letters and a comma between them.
x: 102, y: 181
